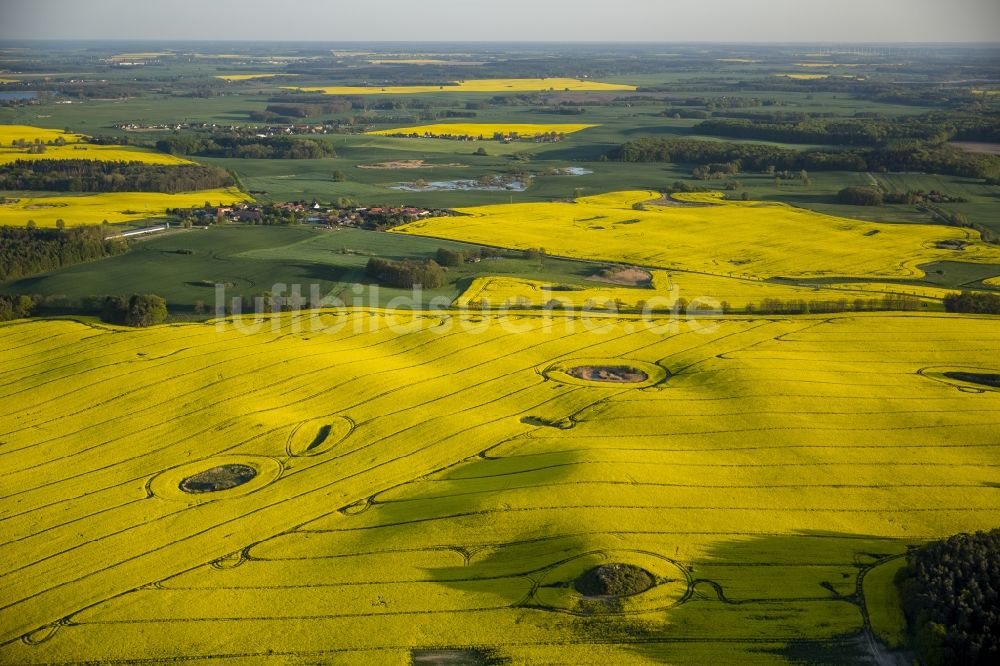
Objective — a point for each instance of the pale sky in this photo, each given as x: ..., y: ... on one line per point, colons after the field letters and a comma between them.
x: 506, y: 20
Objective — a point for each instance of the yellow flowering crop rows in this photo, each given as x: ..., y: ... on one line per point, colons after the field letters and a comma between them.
x: 77, y: 210
x: 740, y: 239
x: 434, y: 481
x: 10, y: 133
x: 248, y: 77
x: 87, y: 151
x: 75, y: 148
x: 667, y: 288
x: 485, y: 130
x: 475, y: 85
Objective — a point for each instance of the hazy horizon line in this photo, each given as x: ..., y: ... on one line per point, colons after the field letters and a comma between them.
x: 508, y: 41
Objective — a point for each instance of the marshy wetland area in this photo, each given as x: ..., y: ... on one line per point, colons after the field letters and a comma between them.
x: 448, y: 353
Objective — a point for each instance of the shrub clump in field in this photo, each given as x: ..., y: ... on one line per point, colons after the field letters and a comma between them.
x: 860, y: 196
x: 140, y: 311
x: 406, y: 274
x: 614, y: 580
x: 451, y: 258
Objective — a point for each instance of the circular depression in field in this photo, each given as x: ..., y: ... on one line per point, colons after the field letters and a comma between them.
x: 613, y: 581
x: 317, y: 436
x: 218, y: 478
x: 221, y: 477
x: 614, y: 373
x: 965, y: 378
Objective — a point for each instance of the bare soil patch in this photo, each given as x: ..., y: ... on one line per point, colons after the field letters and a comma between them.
x: 629, y: 277
x: 977, y: 147
x: 613, y: 374
x: 408, y: 164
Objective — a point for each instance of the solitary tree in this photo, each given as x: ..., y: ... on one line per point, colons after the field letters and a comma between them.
x: 146, y: 310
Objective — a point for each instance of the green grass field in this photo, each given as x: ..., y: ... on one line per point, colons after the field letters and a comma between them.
x: 250, y: 260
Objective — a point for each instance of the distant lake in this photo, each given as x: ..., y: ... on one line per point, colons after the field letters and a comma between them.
x: 30, y: 94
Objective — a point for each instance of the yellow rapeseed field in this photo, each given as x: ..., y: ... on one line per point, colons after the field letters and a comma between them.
x: 667, y: 287
x: 993, y: 281
x: 87, y: 151
x: 29, y: 133
x: 485, y: 130
x: 75, y: 148
x: 83, y: 209
x: 805, y: 77
x: 475, y: 85
x: 247, y: 77
x: 730, y: 238
x: 430, y: 481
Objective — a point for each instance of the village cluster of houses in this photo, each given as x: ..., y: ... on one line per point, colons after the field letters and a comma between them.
x: 260, y: 131
x: 312, y: 213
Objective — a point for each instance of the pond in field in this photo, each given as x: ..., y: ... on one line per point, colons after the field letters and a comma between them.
x: 17, y: 96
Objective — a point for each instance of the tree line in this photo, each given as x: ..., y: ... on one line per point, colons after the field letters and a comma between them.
x: 841, y: 131
x: 29, y: 251
x: 862, y: 129
x: 97, y: 176
x: 950, y: 592
x: 887, y: 303
x: 973, y: 302
x: 137, y: 310
x: 761, y: 157
x: 246, y: 147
